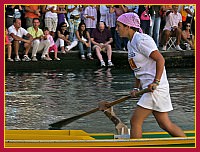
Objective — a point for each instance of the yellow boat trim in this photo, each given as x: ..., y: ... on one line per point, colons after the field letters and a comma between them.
x: 99, y: 143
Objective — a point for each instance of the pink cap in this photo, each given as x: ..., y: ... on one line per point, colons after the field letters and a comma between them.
x: 131, y: 20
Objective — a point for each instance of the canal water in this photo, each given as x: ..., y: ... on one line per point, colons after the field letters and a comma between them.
x: 35, y: 100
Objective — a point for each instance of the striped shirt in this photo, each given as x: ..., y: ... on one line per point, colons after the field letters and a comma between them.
x: 110, y: 19
x: 90, y: 11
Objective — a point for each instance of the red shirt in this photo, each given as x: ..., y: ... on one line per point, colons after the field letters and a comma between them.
x: 101, y: 37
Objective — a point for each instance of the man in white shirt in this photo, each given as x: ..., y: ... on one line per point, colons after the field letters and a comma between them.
x: 172, y: 27
x: 16, y: 33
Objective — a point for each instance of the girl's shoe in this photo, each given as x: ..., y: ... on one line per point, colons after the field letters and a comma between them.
x: 57, y: 59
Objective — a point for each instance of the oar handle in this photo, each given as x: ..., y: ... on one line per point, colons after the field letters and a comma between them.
x: 137, y: 94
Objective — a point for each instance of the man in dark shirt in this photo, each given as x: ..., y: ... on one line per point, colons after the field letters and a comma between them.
x: 102, y: 39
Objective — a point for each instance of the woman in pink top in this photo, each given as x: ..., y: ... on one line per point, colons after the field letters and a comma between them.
x: 53, y: 46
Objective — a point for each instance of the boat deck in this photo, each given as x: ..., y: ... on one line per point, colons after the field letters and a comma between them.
x: 79, y: 138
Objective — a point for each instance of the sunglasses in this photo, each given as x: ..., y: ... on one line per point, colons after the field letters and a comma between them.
x: 187, y: 25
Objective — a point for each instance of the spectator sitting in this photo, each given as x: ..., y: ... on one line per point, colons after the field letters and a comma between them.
x: 84, y: 40
x: 8, y: 46
x: 63, y: 37
x: 172, y: 28
x: 101, y: 38
x: 16, y: 33
x: 188, y: 37
x: 53, y: 46
x: 40, y: 42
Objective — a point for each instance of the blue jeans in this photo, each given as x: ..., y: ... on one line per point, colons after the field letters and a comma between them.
x: 81, y: 48
x: 118, y: 41
x: 155, y: 28
x: 145, y: 25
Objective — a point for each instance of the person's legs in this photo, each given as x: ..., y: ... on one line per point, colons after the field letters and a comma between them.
x: 72, y: 45
x: 165, y: 37
x: 9, y: 49
x: 156, y: 30
x: 16, y: 47
x: 44, y: 45
x: 35, y: 45
x: 117, y: 41
x: 27, y: 47
x: 109, y: 52
x: 98, y: 53
x: 80, y: 45
x: 151, y: 29
x: 178, y: 32
x: 137, y: 120
x: 165, y: 123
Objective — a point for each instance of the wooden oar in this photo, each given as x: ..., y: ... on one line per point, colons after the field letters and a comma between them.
x: 61, y: 123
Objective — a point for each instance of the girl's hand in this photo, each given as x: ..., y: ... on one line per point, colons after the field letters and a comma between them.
x: 134, y: 91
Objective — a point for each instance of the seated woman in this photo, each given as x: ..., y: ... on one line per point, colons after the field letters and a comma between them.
x: 83, y: 37
x: 188, y: 37
x: 62, y: 37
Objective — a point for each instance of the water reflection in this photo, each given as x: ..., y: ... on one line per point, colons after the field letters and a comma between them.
x: 34, y: 100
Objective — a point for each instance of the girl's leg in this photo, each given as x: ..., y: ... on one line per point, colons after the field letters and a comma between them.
x: 165, y: 123
x: 9, y: 47
x: 137, y: 120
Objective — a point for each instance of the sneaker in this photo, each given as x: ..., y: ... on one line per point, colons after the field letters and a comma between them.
x: 90, y: 57
x: 103, y: 64
x: 46, y: 58
x: 10, y: 60
x: 26, y: 58
x: 178, y: 48
x: 164, y: 48
x: 57, y: 59
x: 66, y: 49
x: 17, y: 59
x: 34, y: 59
x: 83, y: 57
x: 110, y: 64
x: 187, y: 46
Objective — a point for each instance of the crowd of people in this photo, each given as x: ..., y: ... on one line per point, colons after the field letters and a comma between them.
x: 91, y: 28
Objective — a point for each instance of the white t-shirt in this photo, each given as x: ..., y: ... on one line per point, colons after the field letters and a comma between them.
x: 172, y: 20
x: 49, y: 13
x: 139, y: 50
x: 75, y: 12
x: 21, y: 32
x: 103, y: 12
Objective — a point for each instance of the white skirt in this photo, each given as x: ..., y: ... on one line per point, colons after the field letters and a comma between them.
x: 159, y: 100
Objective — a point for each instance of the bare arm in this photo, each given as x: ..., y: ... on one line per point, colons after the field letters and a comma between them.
x: 110, y: 41
x: 160, y: 62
